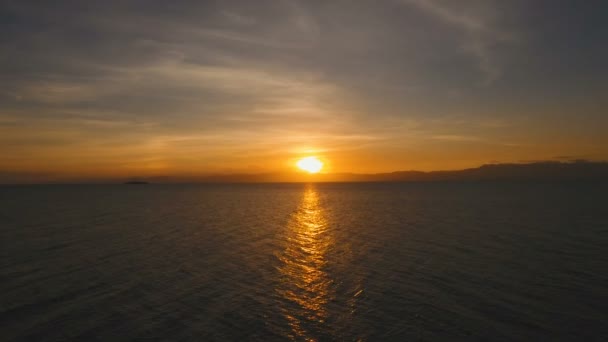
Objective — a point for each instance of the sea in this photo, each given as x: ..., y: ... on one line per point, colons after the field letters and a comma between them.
x: 451, y: 261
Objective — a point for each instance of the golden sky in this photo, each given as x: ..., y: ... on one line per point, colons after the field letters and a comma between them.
x: 109, y: 90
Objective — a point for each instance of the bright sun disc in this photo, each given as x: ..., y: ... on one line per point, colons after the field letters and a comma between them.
x: 310, y: 164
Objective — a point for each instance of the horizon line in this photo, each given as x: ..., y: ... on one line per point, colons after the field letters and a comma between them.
x: 347, y: 177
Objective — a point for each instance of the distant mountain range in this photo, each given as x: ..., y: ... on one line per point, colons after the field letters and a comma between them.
x: 543, y: 171
x: 577, y: 170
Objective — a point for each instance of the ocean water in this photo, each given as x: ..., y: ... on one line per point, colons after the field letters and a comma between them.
x: 326, y: 262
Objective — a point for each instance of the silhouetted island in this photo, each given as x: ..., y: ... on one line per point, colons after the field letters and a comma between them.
x: 136, y: 182
x: 579, y: 170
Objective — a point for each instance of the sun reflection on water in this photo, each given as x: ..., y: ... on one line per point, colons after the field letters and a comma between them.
x: 305, y: 286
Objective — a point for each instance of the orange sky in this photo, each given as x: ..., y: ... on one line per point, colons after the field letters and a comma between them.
x: 113, y: 92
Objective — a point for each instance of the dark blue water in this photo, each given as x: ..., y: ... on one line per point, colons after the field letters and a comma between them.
x: 348, y: 262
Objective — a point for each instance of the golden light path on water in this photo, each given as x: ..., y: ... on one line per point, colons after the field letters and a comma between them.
x: 304, y: 285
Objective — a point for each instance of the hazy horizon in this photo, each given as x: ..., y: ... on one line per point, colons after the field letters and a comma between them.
x: 532, y: 170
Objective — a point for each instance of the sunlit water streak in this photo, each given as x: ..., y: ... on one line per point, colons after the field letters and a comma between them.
x: 345, y: 262
x: 304, y: 283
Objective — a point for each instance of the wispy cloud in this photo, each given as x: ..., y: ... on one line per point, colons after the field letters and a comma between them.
x: 211, y: 84
x: 479, y: 35
x: 456, y: 138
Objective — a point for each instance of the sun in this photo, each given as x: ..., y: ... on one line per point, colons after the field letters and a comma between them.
x: 310, y: 164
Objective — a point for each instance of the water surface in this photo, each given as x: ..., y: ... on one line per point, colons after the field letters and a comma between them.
x: 411, y: 261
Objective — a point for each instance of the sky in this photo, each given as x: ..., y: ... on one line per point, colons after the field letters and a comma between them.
x: 118, y: 89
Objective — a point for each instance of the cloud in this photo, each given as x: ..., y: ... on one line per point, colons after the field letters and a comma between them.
x: 209, y: 80
x: 479, y: 35
x: 456, y: 138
